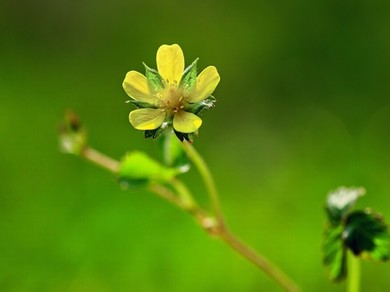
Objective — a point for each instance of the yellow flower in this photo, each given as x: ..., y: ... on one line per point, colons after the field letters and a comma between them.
x: 171, y: 95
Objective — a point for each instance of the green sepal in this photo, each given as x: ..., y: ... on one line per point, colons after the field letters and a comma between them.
x: 137, y: 168
x: 202, y: 105
x: 188, y: 80
x: 366, y: 233
x: 155, y: 81
x: 186, y: 136
x: 335, y: 253
x: 140, y: 104
x: 173, y: 152
x: 154, y: 134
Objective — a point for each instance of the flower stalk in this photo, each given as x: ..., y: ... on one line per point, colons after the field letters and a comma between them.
x: 205, y: 173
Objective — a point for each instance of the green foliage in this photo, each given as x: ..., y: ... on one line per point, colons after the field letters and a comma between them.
x: 362, y: 232
x: 173, y: 153
x: 155, y: 82
x: 365, y: 232
x: 335, y: 253
x: 136, y: 168
x: 200, y: 106
x: 188, y: 79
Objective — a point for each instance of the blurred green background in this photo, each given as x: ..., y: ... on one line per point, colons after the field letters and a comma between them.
x: 303, y: 107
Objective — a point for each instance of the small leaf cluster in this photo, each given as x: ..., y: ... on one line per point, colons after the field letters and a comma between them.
x: 363, y: 232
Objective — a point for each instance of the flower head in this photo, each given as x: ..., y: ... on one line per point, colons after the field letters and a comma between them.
x: 170, y: 95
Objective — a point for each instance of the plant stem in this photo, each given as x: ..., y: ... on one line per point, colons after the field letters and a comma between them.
x: 207, y: 178
x: 223, y: 233
x: 166, y: 194
x: 214, y: 226
x: 259, y: 260
x: 100, y: 159
x: 216, y: 229
x: 353, y: 284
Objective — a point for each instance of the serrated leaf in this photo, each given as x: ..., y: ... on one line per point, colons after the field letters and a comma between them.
x: 188, y: 80
x: 335, y: 253
x: 340, y: 202
x: 137, y: 166
x: 366, y: 232
x: 200, y: 106
x: 140, y: 104
x: 173, y: 153
x: 155, y: 82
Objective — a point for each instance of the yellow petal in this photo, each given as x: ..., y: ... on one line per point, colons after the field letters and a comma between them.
x: 185, y: 122
x: 136, y: 86
x: 206, y: 83
x: 147, y: 118
x: 170, y: 63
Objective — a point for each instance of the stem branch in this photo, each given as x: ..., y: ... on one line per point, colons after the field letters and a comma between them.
x: 100, y: 159
x: 259, y: 260
x: 207, y: 178
x: 182, y: 198
x: 166, y: 194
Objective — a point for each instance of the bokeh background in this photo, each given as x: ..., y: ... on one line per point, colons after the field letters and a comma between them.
x: 303, y: 107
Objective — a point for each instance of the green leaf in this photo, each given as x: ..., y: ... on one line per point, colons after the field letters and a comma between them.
x: 155, y: 82
x: 366, y: 232
x: 340, y: 202
x: 140, y: 104
x: 335, y: 253
x: 200, y: 106
x: 138, y: 168
x: 173, y: 153
x: 188, y: 79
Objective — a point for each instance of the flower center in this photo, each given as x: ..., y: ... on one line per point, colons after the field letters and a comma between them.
x: 172, y: 100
